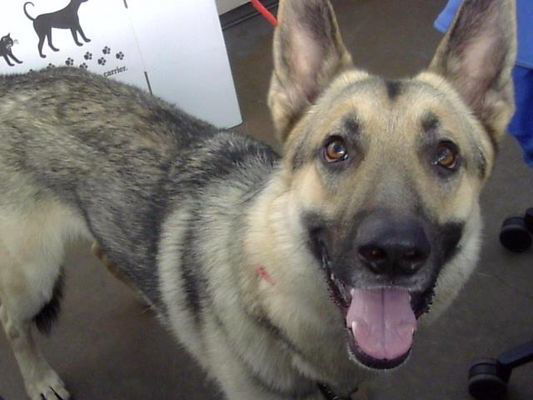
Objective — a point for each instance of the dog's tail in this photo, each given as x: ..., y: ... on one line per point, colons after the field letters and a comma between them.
x: 26, y: 12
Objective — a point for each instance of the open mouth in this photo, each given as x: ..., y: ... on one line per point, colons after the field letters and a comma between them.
x: 380, y: 322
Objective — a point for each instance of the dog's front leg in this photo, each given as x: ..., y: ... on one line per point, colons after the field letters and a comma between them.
x: 82, y: 34
x: 75, y: 36
x: 41, y: 381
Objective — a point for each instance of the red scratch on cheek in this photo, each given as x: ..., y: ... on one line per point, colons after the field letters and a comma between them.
x: 263, y: 273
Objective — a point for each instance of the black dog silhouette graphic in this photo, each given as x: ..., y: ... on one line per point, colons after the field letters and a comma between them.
x: 6, y: 43
x: 67, y: 18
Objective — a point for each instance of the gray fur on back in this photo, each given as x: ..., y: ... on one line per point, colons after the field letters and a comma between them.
x: 118, y: 157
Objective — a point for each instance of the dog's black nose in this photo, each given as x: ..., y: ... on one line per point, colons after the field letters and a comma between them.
x: 392, y: 246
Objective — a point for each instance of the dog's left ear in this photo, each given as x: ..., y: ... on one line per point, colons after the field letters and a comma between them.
x: 477, y: 56
x: 308, y: 54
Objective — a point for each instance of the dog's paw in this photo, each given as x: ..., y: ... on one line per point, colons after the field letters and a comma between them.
x: 49, y: 388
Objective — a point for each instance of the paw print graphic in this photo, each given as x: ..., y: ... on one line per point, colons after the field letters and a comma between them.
x: 83, y: 66
x: 106, y: 50
x: 69, y: 62
x: 101, y: 61
x: 119, y: 55
x: 88, y: 56
x: 50, y: 66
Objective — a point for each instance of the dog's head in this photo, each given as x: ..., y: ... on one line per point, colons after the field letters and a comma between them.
x: 385, y: 175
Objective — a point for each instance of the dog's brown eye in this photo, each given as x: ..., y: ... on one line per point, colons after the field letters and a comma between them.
x: 447, y: 155
x: 335, y: 150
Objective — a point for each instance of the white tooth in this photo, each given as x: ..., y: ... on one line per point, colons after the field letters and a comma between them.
x: 353, y: 327
x: 352, y: 292
x: 332, y: 277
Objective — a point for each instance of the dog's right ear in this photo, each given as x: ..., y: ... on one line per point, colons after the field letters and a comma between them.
x: 308, y: 54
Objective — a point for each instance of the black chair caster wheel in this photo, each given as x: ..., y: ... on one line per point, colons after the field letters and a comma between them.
x: 487, y: 380
x: 528, y: 218
x: 514, y: 235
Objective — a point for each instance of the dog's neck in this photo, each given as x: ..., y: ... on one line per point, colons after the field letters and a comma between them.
x: 267, y: 279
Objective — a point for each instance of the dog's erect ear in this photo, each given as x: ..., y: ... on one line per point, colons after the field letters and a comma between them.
x: 477, y: 56
x: 308, y: 54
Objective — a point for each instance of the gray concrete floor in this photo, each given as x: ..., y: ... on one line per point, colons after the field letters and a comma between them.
x: 108, y: 346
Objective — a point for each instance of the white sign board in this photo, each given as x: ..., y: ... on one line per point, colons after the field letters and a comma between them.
x: 228, y: 5
x: 173, y: 48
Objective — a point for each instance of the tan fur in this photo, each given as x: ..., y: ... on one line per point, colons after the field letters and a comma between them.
x: 288, y: 97
x: 392, y: 131
x: 30, y: 265
x: 473, y: 66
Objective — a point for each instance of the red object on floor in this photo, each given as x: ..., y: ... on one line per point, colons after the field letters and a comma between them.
x: 264, y: 12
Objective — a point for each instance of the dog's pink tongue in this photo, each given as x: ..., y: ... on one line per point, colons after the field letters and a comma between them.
x: 382, y: 322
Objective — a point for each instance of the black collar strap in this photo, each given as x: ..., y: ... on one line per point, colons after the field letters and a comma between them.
x: 329, y: 394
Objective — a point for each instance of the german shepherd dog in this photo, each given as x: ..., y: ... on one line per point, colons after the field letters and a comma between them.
x: 66, y: 18
x: 287, y: 277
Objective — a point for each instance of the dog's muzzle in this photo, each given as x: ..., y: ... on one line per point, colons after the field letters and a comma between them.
x: 381, y: 308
